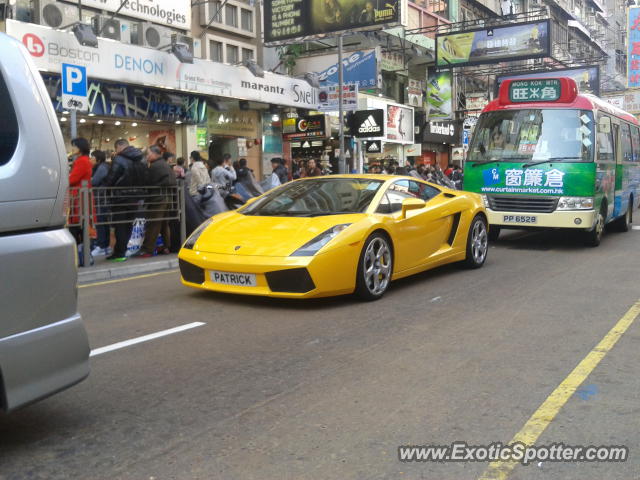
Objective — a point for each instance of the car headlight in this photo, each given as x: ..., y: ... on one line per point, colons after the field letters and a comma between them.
x: 575, y: 203
x: 193, y: 238
x: 313, y: 246
x: 485, y: 201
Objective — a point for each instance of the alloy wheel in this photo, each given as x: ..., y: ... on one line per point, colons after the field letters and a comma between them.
x: 377, y: 266
x: 479, y: 241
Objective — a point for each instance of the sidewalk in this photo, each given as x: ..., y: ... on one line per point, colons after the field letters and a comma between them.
x: 103, y: 270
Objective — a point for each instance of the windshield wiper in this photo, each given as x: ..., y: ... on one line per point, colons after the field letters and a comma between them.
x: 533, y: 164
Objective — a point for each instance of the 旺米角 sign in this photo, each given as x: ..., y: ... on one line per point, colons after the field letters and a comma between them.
x: 547, y: 90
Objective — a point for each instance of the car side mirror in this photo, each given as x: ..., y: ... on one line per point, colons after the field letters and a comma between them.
x: 412, y: 204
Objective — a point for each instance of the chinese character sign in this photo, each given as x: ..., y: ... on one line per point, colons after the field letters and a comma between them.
x: 633, y: 57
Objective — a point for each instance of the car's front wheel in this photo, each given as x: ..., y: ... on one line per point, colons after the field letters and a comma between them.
x: 477, y: 243
x: 375, y: 267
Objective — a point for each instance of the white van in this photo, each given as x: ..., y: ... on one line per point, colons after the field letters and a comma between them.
x: 43, y: 342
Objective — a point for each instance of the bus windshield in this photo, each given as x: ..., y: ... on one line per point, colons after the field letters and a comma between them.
x: 533, y: 135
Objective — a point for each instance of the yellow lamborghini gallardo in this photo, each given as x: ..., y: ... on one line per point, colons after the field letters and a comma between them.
x: 334, y: 235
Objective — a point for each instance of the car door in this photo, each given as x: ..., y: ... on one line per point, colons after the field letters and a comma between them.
x: 424, y: 231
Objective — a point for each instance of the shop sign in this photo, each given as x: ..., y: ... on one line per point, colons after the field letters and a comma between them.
x: 392, y: 61
x: 201, y: 138
x: 174, y: 13
x: 312, y: 126
x: 400, y: 124
x: 287, y: 19
x: 119, y: 62
x: 373, y: 146
x: 117, y: 100
x: 457, y: 154
x: 476, y: 101
x: 368, y: 123
x: 441, y: 132
x: 617, y: 101
x: 235, y: 123
x: 414, y: 92
x: 359, y: 67
x: 633, y: 45
x: 496, y: 44
x: 413, y: 150
x: 329, y: 98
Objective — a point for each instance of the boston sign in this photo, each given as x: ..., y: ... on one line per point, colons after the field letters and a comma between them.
x: 119, y: 62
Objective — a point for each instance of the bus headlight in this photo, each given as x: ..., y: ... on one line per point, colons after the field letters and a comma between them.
x: 485, y: 201
x: 575, y: 203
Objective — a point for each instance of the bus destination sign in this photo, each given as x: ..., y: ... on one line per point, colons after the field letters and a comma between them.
x: 543, y: 90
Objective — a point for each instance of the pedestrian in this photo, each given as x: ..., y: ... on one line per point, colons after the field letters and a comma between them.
x: 224, y: 174
x: 129, y: 173
x: 199, y: 173
x: 449, y: 170
x: 457, y: 177
x: 178, y: 169
x: 103, y: 231
x: 160, y: 178
x: 80, y: 172
x: 279, y: 175
x: 312, y: 169
x: 296, y: 168
x: 247, y: 180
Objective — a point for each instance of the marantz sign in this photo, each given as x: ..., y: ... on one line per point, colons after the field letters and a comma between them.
x: 130, y: 64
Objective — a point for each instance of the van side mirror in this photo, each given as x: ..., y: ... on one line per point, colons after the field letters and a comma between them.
x: 412, y: 204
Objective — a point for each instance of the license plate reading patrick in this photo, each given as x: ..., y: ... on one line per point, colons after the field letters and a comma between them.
x: 234, y: 279
x: 520, y: 219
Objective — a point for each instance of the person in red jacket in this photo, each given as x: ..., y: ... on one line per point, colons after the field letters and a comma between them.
x: 80, y: 171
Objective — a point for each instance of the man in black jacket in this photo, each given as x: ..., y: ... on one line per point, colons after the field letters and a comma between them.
x: 160, y: 176
x: 128, y: 172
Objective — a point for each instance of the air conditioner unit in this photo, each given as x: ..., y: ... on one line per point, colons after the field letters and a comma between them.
x: 111, y: 28
x: 150, y: 35
x: 55, y: 14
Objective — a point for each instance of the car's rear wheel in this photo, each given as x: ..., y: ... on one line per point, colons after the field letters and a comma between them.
x: 477, y: 243
x: 623, y: 224
x: 375, y: 267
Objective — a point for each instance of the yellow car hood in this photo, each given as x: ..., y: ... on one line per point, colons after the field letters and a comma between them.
x: 239, y: 234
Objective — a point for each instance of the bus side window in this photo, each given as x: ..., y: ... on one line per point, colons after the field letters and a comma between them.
x: 605, y: 139
x: 625, y: 140
x: 635, y: 148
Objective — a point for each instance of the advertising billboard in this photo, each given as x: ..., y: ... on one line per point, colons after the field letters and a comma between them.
x: 368, y: 123
x: 287, y: 19
x: 489, y: 45
x: 439, y: 94
x: 633, y: 54
x: 312, y: 126
x: 400, y: 124
x: 587, y: 78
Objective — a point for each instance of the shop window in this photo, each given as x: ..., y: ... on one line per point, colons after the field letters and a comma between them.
x: 231, y: 15
x: 247, y: 54
x: 247, y: 20
x: 215, y: 51
x: 232, y: 54
x: 9, y: 125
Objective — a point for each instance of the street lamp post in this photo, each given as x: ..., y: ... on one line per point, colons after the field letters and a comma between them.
x: 342, y: 167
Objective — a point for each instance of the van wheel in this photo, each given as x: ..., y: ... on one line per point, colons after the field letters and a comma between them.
x: 375, y: 268
x: 477, y: 243
x: 623, y: 224
x: 593, y: 237
x: 494, y: 233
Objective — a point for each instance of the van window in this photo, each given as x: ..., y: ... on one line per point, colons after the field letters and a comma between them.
x: 625, y: 136
x: 635, y: 135
x: 8, y: 125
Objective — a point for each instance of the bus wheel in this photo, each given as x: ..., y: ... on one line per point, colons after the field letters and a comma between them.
x: 494, y: 233
x: 623, y: 224
x: 593, y: 237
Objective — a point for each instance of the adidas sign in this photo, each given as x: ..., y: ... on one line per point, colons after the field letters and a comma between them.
x: 370, y: 126
x: 373, y: 148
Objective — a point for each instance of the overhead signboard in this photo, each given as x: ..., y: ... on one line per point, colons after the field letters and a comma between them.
x: 312, y: 126
x: 368, y: 123
x: 587, y: 78
x: 633, y: 44
x: 359, y: 67
x: 287, y: 19
x: 439, y: 94
x: 174, y: 13
x: 118, y: 62
x: 329, y: 98
x: 373, y: 146
x: 498, y: 44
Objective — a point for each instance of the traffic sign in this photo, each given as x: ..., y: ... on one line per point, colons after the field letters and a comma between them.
x: 74, y: 87
x: 466, y: 135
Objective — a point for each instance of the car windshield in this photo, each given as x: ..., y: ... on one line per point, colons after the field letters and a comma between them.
x: 533, y: 136
x: 320, y: 196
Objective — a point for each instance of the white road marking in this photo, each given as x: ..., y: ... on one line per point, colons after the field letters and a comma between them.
x: 145, y: 338
x: 636, y: 227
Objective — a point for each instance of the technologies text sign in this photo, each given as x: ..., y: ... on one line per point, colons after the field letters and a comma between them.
x: 167, y: 12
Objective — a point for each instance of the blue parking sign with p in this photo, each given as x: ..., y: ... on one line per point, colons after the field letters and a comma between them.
x: 74, y: 80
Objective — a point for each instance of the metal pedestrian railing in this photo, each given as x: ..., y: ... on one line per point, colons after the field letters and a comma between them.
x: 97, y: 206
